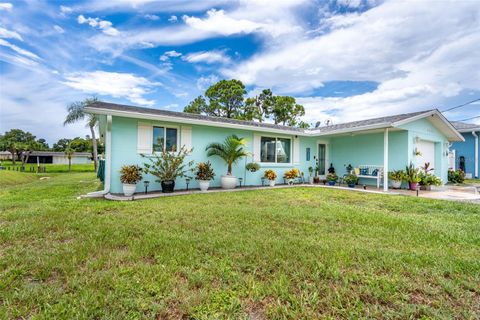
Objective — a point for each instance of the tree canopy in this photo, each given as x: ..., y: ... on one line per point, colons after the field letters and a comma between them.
x: 226, y: 98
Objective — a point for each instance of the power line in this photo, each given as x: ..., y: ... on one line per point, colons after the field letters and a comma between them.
x: 462, y: 105
x: 469, y: 118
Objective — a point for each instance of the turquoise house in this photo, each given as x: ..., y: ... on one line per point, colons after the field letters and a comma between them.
x: 466, y: 153
x: 381, y: 144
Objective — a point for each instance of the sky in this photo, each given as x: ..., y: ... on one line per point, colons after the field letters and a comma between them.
x: 344, y: 60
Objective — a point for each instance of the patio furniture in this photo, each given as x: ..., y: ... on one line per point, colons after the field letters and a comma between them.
x: 371, y: 172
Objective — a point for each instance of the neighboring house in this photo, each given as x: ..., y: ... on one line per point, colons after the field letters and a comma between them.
x: 5, y: 155
x: 466, y: 153
x: 390, y: 142
x: 43, y: 157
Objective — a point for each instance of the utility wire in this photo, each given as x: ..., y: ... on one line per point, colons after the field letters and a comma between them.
x: 469, y: 118
x: 462, y: 105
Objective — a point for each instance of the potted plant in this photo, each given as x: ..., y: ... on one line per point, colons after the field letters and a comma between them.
x: 130, y: 175
x: 167, y: 166
x: 270, y: 175
x: 397, y: 177
x: 231, y: 150
x: 252, y: 167
x: 204, y: 173
x: 412, y: 176
x: 351, y: 180
x: 332, y: 178
x: 291, y: 175
x: 429, y: 180
x: 310, y: 176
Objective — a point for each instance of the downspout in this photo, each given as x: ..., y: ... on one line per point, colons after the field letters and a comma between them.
x: 476, y: 153
x: 108, y: 162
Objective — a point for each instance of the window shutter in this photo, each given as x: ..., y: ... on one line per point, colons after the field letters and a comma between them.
x: 296, y: 150
x: 256, y: 147
x: 186, y: 137
x: 144, y: 138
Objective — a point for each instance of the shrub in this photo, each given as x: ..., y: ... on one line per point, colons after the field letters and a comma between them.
x: 252, y: 167
x: 291, y: 174
x: 332, y: 177
x: 130, y: 174
x: 351, y: 179
x: 167, y: 166
x: 430, y: 180
x: 204, y: 171
x: 397, y: 175
x: 412, y: 174
x: 456, y: 176
x: 270, y: 175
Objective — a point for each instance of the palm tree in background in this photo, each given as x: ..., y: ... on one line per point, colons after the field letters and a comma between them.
x: 76, y: 112
x: 69, y: 154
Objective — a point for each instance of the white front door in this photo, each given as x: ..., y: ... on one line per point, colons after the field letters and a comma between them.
x: 427, y: 153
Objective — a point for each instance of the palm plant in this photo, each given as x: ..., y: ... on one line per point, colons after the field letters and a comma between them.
x: 76, y: 112
x: 69, y: 154
x: 231, y: 150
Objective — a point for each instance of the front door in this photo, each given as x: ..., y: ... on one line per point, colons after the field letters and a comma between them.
x: 322, y: 160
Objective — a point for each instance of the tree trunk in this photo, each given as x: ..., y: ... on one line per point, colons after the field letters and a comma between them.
x: 229, y: 169
x: 69, y: 164
x: 14, y: 155
x: 94, y: 147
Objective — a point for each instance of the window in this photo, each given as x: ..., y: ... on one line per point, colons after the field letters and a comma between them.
x: 164, y: 138
x: 275, y: 150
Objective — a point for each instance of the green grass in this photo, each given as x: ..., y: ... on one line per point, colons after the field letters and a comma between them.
x: 9, y: 178
x: 51, y: 167
x: 269, y: 254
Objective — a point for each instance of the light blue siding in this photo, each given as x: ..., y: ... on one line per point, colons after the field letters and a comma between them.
x: 467, y: 150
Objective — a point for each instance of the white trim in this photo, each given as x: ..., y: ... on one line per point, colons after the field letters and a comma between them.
x: 469, y: 129
x: 327, y: 155
x: 385, y: 160
x: 476, y: 153
x: 349, y: 130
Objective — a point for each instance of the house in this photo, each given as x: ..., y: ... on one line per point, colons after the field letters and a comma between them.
x: 466, y: 153
x: 42, y: 157
x: 387, y: 143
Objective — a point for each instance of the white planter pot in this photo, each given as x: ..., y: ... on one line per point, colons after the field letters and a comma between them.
x: 396, y: 184
x: 271, y: 183
x: 204, y: 184
x: 228, y: 182
x: 290, y: 181
x: 129, y: 189
x: 310, y: 180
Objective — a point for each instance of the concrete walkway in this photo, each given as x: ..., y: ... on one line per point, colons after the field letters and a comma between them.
x: 452, y: 193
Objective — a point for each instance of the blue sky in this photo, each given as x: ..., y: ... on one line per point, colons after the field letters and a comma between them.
x: 343, y: 60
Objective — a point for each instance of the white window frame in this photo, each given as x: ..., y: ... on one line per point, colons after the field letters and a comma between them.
x: 276, y: 141
x: 165, y: 127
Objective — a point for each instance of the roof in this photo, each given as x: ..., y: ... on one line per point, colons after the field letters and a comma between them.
x: 59, y: 154
x: 439, y: 120
x: 465, y: 127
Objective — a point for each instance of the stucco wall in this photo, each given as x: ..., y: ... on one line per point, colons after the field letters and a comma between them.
x: 124, y: 151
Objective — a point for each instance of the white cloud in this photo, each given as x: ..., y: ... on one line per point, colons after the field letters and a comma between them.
x: 7, y: 6
x: 204, y: 82
x: 173, y: 19
x: 4, y: 33
x: 104, y: 25
x: 214, y: 56
x: 58, y: 29
x: 115, y: 84
x: 65, y: 10
x: 218, y: 22
x: 19, y: 50
x: 420, y: 55
x: 152, y: 17
x: 169, y: 54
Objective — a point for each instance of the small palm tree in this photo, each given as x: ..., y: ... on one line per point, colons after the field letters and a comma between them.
x: 76, y: 112
x: 69, y: 154
x: 231, y: 150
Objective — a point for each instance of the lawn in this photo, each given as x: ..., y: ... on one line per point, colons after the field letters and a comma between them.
x: 49, y: 167
x: 268, y: 254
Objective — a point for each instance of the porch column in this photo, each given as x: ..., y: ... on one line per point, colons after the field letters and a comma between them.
x: 385, y: 160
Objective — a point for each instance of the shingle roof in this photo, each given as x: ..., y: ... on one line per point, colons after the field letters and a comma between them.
x: 463, y: 126
x: 121, y: 107
x: 61, y: 154
x: 388, y: 120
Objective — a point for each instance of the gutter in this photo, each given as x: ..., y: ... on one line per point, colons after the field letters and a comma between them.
x: 108, y: 162
x: 476, y: 153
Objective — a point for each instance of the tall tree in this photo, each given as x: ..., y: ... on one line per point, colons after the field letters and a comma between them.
x: 198, y: 106
x: 286, y: 111
x: 61, y: 145
x: 42, y: 144
x: 76, y: 112
x: 69, y: 151
x: 226, y: 98
x: 19, y: 143
x: 259, y: 107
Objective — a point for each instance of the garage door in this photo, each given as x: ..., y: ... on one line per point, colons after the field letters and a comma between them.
x: 427, y: 150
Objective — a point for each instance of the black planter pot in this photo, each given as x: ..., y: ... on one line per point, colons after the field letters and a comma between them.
x: 168, y: 186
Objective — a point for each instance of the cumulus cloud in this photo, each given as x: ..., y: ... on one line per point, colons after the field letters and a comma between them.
x: 115, y: 84
x: 103, y: 25
x: 214, y: 56
x: 173, y: 19
x: 4, y: 33
x: 7, y: 6
x: 169, y: 54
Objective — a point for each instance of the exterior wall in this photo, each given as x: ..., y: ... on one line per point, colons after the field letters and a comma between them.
x: 424, y: 130
x: 367, y: 149
x: 124, y: 152
x: 467, y: 150
x: 75, y: 160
